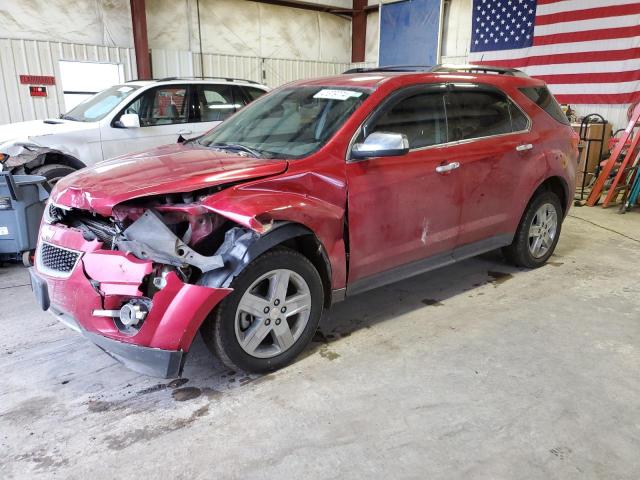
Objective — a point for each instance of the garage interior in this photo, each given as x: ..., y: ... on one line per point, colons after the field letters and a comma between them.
x: 475, y: 370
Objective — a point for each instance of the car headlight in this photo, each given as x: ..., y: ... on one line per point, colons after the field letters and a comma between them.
x: 52, y: 213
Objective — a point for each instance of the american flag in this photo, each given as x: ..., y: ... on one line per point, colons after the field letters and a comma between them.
x: 588, y: 51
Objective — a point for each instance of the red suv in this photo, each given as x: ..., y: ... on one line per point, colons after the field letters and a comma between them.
x: 319, y: 190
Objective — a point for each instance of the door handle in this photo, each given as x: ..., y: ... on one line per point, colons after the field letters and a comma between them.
x: 448, y: 167
x: 524, y: 147
x: 185, y: 132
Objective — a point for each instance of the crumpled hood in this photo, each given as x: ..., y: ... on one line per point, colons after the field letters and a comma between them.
x: 169, y: 169
x: 35, y: 130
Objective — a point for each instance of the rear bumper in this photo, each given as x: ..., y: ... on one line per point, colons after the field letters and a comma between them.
x: 107, y: 279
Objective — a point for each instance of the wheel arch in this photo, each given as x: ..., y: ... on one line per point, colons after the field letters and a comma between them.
x: 558, y: 186
x: 51, y: 157
x: 63, y: 159
x: 293, y: 235
x: 265, y: 212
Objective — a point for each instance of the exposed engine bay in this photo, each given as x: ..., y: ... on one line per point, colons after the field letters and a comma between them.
x: 172, y: 231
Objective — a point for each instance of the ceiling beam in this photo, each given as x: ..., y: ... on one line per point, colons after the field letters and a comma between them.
x: 308, y: 6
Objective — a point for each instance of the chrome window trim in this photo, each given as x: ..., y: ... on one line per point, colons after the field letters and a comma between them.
x: 348, y: 158
x: 55, y: 273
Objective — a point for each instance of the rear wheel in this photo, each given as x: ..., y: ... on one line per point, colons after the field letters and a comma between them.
x: 271, y: 315
x: 538, y: 232
x: 53, y: 172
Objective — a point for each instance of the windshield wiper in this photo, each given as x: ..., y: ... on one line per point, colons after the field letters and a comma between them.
x: 68, y: 117
x: 236, y: 146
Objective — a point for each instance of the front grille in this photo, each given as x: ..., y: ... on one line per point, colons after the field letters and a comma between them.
x: 57, y: 259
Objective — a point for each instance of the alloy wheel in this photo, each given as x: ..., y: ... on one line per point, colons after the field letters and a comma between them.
x: 272, y: 313
x: 543, y: 230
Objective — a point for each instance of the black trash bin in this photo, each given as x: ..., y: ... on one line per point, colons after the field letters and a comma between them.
x: 22, y: 201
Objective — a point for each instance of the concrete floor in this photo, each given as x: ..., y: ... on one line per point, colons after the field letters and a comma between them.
x: 474, y: 371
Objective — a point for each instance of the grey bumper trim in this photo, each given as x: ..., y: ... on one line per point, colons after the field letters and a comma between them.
x: 149, y: 361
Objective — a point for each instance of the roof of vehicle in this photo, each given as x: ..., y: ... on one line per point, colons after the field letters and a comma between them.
x: 205, y: 80
x: 374, y: 77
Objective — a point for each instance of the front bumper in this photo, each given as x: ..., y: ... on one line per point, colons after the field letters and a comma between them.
x: 104, y: 280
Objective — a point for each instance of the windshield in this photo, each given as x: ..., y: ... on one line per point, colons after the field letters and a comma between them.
x: 288, y: 123
x: 97, y: 107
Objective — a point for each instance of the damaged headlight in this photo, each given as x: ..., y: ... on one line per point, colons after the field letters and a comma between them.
x: 52, y: 213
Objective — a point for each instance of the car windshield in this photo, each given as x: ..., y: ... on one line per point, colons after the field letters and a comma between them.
x: 288, y: 123
x: 97, y: 107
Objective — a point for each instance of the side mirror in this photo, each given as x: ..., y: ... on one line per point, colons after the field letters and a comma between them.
x: 128, y: 120
x: 381, y: 144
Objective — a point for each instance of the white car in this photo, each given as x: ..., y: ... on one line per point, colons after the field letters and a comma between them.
x: 122, y: 119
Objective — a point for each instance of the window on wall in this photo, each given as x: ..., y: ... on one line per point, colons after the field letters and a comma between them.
x: 81, y: 80
x: 421, y: 117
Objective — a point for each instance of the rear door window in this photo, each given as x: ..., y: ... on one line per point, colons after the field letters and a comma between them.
x: 519, y: 120
x: 215, y: 103
x: 476, y: 114
x: 421, y: 117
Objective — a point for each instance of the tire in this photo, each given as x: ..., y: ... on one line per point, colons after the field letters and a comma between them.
x: 233, y: 335
x: 53, y: 172
x: 522, y: 252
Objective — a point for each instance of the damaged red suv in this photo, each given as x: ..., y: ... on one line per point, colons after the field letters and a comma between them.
x: 319, y: 190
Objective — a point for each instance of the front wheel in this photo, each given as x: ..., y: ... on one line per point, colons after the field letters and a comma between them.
x: 538, y: 232
x: 53, y: 172
x: 271, y: 315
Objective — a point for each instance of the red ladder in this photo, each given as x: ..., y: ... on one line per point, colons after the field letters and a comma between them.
x: 596, y: 191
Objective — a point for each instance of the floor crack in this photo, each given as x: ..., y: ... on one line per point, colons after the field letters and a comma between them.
x: 15, y: 286
x: 605, y: 228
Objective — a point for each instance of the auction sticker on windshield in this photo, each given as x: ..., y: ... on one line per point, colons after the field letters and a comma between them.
x: 330, y: 94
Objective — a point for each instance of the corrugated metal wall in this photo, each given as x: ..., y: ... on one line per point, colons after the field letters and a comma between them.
x: 34, y: 57
x: 270, y: 71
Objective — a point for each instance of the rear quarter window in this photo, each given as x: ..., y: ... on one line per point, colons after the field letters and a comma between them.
x: 253, y: 93
x: 542, y: 97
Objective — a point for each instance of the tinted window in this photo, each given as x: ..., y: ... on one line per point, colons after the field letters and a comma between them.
x: 290, y: 122
x: 254, y: 93
x: 519, y: 121
x: 475, y: 114
x: 542, y: 97
x: 160, y: 106
x: 215, y: 103
x: 421, y: 117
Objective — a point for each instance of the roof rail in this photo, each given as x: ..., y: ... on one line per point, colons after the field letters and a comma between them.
x: 444, y: 68
x: 228, y: 79
x: 391, y: 68
x: 448, y: 68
